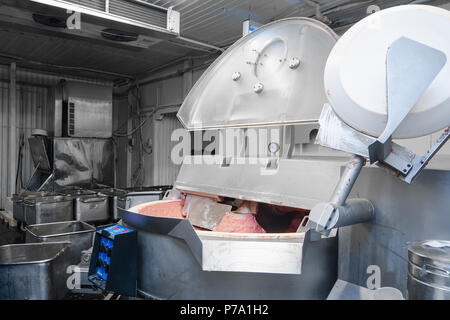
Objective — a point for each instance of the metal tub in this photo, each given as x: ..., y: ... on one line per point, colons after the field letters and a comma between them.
x: 88, y: 205
x: 429, y: 270
x: 48, y: 209
x: 18, y: 202
x: 33, y: 271
x: 78, y: 233
x: 177, y: 262
x: 136, y: 196
x: 91, y: 208
x: 116, y: 199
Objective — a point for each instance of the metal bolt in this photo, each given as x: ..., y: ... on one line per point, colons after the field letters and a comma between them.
x: 294, y: 63
x: 258, y: 87
x: 236, y: 76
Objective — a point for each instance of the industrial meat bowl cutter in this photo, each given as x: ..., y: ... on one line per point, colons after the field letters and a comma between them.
x: 273, y: 79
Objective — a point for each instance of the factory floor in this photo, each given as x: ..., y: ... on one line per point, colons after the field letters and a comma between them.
x: 10, y: 235
x: 13, y: 235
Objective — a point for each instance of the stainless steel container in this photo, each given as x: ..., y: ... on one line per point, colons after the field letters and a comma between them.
x: 116, y: 199
x: 89, y: 206
x: 18, y: 199
x: 137, y: 196
x: 48, y: 209
x: 429, y: 270
x: 33, y: 271
x: 78, y: 233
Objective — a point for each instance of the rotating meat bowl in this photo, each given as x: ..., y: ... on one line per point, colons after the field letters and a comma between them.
x: 271, y: 79
x: 177, y: 262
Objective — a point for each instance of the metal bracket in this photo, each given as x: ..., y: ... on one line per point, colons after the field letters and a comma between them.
x: 420, y: 162
x: 336, y: 134
x: 410, y: 68
x: 339, y: 212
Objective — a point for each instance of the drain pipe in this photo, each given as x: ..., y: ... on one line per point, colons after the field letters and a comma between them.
x: 319, y: 14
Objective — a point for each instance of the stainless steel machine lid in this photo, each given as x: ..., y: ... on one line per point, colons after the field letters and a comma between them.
x: 271, y: 76
x: 355, y: 73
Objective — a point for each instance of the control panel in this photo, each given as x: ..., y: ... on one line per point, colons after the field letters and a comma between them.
x: 113, y: 261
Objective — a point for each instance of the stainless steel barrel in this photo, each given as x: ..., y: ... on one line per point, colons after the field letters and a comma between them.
x: 429, y: 270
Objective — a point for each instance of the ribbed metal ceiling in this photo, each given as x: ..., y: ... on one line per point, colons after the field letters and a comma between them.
x: 215, y: 22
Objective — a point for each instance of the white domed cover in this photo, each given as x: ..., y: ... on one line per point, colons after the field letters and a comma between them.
x: 355, y: 73
x: 274, y: 75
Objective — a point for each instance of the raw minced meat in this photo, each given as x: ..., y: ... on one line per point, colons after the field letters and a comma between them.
x: 239, y: 222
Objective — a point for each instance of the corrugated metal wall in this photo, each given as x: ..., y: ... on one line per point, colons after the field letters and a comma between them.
x: 163, y: 170
x: 4, y: 176
x: 31, y: 103
x: 158, y: 168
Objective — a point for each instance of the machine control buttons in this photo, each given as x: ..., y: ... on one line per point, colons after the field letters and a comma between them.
x: 114, y: 272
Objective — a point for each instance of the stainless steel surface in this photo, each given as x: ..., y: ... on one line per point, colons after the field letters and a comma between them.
x: 339, y: 211
x: 31, y: 107
x: 18, y: 199
x: 83, y: 161
x: 348, y: 178
x: 40, y: 153
x: 300, y: 183
x: 216, y: 101
x: 162, y: 248
x: 116, y: 199
x: 33, y: 271
x: 48, y: 209
x: 429, y: 270
x: 336, y: 134
x: 404, y: 89
x: 91, y: 208
x: 136, y: 196
x: 78, y: 233
x: 204, y: 212
x: 89, y: 112
x: 421, y: 162
x: 403, y: 213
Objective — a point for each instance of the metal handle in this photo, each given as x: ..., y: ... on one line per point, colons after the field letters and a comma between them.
x: 435, y: 270
x: 92, y: 200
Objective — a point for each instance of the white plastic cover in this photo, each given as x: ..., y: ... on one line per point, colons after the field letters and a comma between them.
x: 274, y: 75
x: 355, y: 74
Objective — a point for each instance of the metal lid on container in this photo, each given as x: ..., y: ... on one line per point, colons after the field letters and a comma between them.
x: 76, y: 192
x: 273, y: 76
x: 47, y: 199
x: 430, y: 252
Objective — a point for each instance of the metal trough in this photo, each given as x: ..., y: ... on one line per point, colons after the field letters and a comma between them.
x: 177, y: 262
x: 33, y: 271
x: 78, y: 233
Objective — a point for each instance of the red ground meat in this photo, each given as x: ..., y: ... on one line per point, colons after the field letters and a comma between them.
x: 167, y: 209
x: 239, y: 222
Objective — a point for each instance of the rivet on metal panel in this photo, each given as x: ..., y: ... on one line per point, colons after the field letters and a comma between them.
x: 236, y: 76
x: 258, y: 87
x: 294, y: 63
